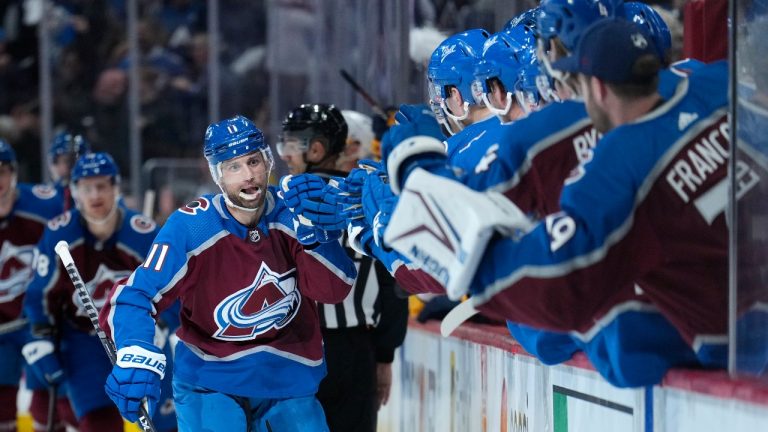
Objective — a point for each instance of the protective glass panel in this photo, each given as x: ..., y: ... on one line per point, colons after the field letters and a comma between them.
x: 751, y: 189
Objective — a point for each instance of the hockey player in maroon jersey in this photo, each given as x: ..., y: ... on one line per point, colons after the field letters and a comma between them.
x: 250, y: 355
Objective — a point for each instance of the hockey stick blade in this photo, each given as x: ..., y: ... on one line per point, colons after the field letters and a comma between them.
x: 456, y: 317
x: 62, y: 250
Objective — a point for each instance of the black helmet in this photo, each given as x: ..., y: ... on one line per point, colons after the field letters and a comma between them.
x: 313, y: 121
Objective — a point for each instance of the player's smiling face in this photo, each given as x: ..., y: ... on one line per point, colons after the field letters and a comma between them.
x: 97, y: 196
x: 244, y: 179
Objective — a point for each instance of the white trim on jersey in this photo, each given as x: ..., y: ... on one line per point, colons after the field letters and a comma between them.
x: 261, y: 348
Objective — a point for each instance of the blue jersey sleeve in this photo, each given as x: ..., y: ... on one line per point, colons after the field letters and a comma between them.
x: 149, y: 289
x: 576, y: 252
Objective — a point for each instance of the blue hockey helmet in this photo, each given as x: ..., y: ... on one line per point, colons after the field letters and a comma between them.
x: 523, y: 28
x: 533, y: 87
x: 502, y: 59
x: 231, y: 138
x: 567, y: 19
x: 94, y: 165
x: 650, y: 20
x: 66, y: 143
x: 7, y: 154
x: 452, y: 64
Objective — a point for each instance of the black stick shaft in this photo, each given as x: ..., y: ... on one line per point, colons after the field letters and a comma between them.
x: 375, y: 106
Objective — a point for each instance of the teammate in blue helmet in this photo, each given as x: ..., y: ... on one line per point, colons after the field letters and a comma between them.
x: 650, y: 20
x: 24, y: 210
x: 64, y: 151
x: 7, y: 154
x: 450, y: 74
x: 226, y: 144
x: 523, y: 28
x: 107, y: 242
x: 496, y: 74
x: 250, y: 355
x: 533, y: 88
x: 95, y: 184
x: 560, y: 25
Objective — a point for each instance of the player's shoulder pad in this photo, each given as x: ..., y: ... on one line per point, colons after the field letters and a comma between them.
x: 43, y: 191
x: 710, y: 82
x: 139, y: 223
x: 65, y: 226
x: 549, y: 120
x: 196, y: 222
x: 39, y: 199
x: 197, y: 206
x: 63, y: 220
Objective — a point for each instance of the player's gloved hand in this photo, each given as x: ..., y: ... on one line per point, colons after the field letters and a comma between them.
x: 43, y: 360
x: 378, y: 204
x: 297, y: 188
x: 361, y: 240
x: 412, y: 120
x: 137, y: 374
x: 341, y: 202
x: 297, y: 192
x: 370, y: 165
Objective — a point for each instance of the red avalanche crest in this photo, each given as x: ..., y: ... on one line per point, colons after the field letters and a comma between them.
x: 270, y: 302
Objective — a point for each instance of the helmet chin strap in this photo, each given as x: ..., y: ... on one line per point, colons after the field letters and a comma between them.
x: 498, y: 111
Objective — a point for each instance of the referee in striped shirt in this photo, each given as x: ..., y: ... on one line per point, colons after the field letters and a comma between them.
x: 361, y: 333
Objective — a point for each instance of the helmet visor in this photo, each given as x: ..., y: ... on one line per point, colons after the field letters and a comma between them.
x: 290, y: 145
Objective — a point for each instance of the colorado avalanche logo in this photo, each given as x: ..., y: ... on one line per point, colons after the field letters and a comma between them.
x: 99, y: 287
x: 270, y: 302
x: 15, y: 270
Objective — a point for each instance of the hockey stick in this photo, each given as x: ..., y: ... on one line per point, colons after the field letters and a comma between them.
x: 456, y: 317
x: 53, y: 394
x: 62, y: 250
x: 375, y: 106
x: 12, y: 326
x: 149, y: 203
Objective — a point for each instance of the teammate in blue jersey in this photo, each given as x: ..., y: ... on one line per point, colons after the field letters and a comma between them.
x: 24, y: 210
x: 553, y: 348
x: 107, y: 243
x: 250, y: 355
x: 65, y: 150
x: 644, y: 216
